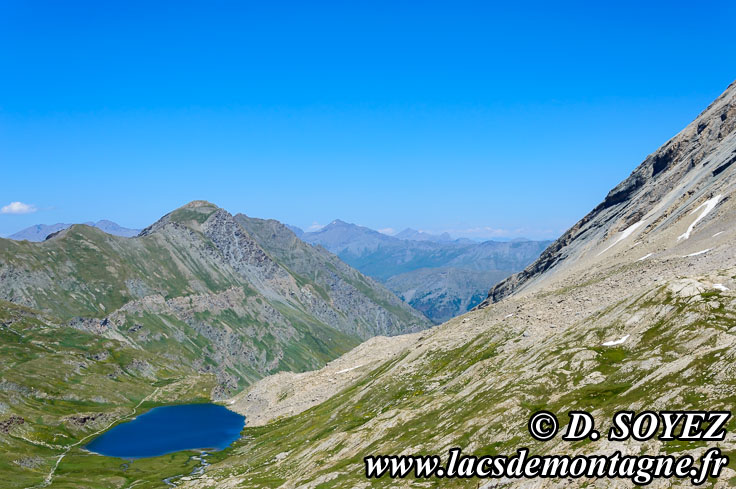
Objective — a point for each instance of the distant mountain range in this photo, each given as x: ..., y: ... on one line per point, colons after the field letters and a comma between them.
x: 440, y: 276
x: 39, y: 232
x: 414, y: 235
x: 410, y: 234
x: 444, y: 292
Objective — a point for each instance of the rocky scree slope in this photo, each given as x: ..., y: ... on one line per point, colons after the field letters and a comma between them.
x: 348, y: 288
x: 195, y: 286
x: 637, y: 320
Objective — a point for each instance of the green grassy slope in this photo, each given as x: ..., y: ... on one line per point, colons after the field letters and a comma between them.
x: 479, y: 393
x: 89, y: 274
x: 60, y: 386
x: 85, y: 272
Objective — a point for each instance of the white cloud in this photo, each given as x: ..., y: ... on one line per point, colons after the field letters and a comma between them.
x: 18, y: 208
x: 315, y: 226
x: 389, y: 231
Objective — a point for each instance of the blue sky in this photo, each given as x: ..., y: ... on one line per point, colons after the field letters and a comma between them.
x: 478, y: 119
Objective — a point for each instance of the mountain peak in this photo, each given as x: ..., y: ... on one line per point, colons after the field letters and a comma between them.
x: 195, y: 204
x: 192, y: 215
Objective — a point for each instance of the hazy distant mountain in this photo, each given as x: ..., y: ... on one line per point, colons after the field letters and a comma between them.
x: 440, y: 296
x: 316, y: 265
x: 294, y: 229
x: 113, y: 228
x: 383, y: 256
x: 342, y: 237
x: 40, y: 232
x: 414, y: 235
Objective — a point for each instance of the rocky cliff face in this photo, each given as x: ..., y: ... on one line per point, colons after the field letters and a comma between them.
x: 689, y: 169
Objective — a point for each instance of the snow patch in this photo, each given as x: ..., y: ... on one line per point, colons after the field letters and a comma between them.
x: 709, y: 206
x: 624, y: 234
x: 721, y: 287
x: 698, y: 253
x: 348, y: 369
x: 509, y: 316
x: 617, y: 342
x: 645, y: 257
x: 718, y: 233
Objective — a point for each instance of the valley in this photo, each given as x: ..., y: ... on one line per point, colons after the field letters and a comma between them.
x: 632, y: 308
x: 97, y: 328
x: 350, y: 245
x: 614, y: 315
x: 436, y: 275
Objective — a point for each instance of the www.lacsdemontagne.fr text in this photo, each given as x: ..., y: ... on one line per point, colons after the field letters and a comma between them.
x: 640, y: 469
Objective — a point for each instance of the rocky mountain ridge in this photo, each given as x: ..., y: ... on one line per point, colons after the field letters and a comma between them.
x: 684, y: 172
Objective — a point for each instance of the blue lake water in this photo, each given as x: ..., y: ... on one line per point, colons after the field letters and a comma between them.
x: 168, y: 429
